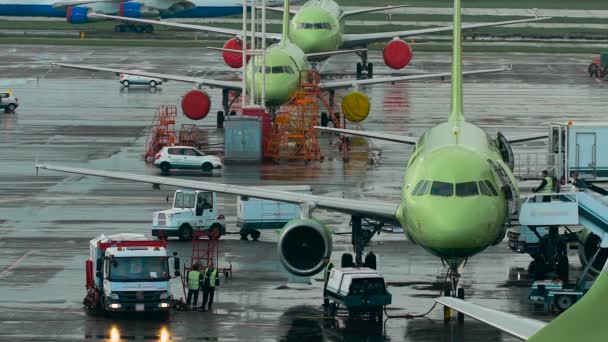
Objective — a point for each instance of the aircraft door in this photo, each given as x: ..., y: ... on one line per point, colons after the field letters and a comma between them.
x: 204, y: 207
x: 505, y: 149
x: 585, y: 153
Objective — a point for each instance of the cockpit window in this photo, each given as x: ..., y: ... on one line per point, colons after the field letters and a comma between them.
x: 483, y: 188
x: 424, y: 189
x: 489, y: 184
x: 280, y: 69
x: 417, y: 187
x: 315, y: 26
x: 466, y: 189
x: 442, y: 189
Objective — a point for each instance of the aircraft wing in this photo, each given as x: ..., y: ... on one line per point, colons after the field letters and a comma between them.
x: 370, y: 9
x: 364, y: 207
x: 517, y: 326
x: 226, y: 31
x: 277, y: 9
x: 352, y: 40
x: 356, y: 83
x: 372, y: 135
x: 528, y: 137
x: 196, y: 80
x: 68, y: 3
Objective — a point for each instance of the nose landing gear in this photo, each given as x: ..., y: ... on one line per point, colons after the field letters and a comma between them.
x: 364, y: 65
x: 453, y: 289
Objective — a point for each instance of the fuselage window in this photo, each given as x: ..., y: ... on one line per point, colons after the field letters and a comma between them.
x: 442, y: 189
x: 489, y: 184
x: 466, y: 189
x: 484, y: 189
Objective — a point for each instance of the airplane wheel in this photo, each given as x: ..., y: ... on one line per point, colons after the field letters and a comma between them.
x: 370, y: 260
x: 370, y: 70
x: 359, y: 69
x: 460, y: 295
x: 447, y: 311
x: 347, y: 260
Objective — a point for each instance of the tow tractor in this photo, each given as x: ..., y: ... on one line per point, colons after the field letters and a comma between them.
x: 128, y: 273
x: 359, y: 290
x: 192, y: 210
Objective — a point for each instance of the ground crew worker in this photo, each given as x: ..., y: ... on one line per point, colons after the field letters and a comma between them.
x: 193, y: 280
x: 209, y: 281
x: 328, y: 268
x: 546, y: 186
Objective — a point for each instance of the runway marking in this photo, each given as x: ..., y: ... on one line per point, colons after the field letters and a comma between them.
x: 15, y: 263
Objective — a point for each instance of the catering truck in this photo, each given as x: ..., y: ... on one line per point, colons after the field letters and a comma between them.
x: 128, y: 273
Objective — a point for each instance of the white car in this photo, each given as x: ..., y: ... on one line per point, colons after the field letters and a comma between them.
x: 185, y: 157
x: 8, y: 101
x: 128, y: 80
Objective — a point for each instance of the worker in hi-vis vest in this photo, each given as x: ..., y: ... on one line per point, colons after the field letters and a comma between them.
x: 546, y: 186
x: 193, y: 280
x: 209, y: 281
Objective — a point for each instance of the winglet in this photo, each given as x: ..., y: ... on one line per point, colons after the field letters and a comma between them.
x: 456, y: 113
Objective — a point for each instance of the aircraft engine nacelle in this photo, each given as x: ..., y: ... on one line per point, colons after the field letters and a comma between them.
x: 397, y: 54
x: 137, y: 10
x: 588, y: 245
x: 303, y: 245
x: 234, y: 59
x: 196, y: 104
x: 77, y: 15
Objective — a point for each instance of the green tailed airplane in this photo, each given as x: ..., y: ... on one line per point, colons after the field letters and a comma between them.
x: 454, y: 202
x: 286, y: 65
x: 317, y: 28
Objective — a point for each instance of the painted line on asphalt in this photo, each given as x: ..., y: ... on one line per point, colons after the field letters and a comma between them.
x: 15, y: 263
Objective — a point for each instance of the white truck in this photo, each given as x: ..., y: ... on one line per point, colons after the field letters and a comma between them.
x: 254, y: 214
x: 191, y: 210
x: 128, y: 273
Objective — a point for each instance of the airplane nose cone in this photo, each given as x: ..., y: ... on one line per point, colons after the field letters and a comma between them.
x: 311, y: 41
x: 459, y: 227
x: 278, y: 90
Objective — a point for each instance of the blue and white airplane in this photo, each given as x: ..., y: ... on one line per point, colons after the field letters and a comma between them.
x: 75, y: 11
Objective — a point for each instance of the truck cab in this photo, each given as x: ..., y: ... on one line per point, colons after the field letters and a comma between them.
x: 131, y: 274
x: 191, y: 210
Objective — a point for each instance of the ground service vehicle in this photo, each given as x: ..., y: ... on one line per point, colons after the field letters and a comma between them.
x: 359, y: 290
x: 8, y: 101
x: 185, y: 157
x: 128, y: 80
x: 254, y: 214
x: 191, y: 210
x: 128, y: 273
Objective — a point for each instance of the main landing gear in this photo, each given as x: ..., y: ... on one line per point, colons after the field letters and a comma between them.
x: 364, y: 65
x: 360, y: 237
x: 126, y: 27
x: 453, y: 289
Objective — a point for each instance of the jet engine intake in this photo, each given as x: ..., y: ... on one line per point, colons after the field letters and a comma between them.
x: 397, y: 54
x: 303, y: 244
x: 196, y: 104
x: 77, y: 15
x: 233, y: 59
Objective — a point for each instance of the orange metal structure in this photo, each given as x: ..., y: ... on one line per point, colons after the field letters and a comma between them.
x: 293, y: 135
x: 162, y: 131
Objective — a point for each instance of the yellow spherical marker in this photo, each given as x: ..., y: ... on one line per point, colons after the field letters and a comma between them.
x: 355, y: 106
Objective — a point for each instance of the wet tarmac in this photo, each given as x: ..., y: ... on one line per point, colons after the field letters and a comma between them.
x: 80, y: 118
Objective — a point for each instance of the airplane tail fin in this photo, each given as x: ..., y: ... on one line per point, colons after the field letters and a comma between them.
x: 285, y: 37
x: 456, y: 113
x: 585, y: 320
